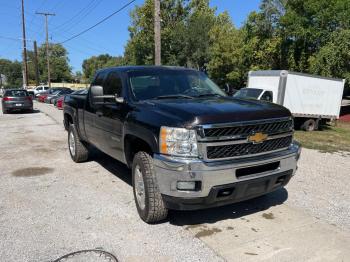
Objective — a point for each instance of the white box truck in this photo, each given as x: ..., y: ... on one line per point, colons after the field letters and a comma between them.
x: 310, y: 98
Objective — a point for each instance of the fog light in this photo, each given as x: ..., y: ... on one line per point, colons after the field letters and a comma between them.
x: 186, y: 185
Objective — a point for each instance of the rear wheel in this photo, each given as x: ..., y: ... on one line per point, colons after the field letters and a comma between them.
x: 149, y: 202
x: 78, y: 151
x: 309, y: 125
x: 4, y: 111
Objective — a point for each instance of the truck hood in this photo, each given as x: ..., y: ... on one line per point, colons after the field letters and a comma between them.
x: 217, y: 110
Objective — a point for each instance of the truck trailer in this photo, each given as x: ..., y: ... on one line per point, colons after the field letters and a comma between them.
x: 311, y: 99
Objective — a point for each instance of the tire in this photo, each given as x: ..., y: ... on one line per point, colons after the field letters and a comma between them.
x: 309, y: 125
x: 4, y: 111
x: 78, y: 151
x: 150, y: 205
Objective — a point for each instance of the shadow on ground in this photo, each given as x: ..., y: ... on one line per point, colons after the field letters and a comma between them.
x: 115, y: 167
x: 212, y: 215
x: 233, y: 211
x: 35, y: 111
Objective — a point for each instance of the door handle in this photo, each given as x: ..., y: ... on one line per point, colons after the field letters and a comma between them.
x: 99, y: 114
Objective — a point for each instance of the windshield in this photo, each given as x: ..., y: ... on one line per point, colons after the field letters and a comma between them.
x: 248, y: 93
x: 153, y: 84
x: 56, y: 92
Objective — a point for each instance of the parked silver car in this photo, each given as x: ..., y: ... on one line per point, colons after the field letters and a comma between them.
x: 16, y: 100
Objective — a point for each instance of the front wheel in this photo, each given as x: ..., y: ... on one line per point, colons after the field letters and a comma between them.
x: 149, y: 202
x: 78, y: 151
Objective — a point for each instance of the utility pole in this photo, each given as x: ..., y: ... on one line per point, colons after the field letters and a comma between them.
x: 37, y: 81
x: 47, y: 45
x: 25, y: 65
x: 157, y: 36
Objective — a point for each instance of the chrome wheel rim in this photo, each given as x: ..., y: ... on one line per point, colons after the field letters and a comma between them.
x: 139, y: 187
x: 71, y: 143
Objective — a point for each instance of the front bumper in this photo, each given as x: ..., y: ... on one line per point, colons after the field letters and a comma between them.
x: 221, y: 182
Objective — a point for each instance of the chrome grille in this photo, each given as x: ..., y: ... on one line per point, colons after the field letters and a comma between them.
x: 244, y: 149
x: 245, y: 130
x: 231, y: 140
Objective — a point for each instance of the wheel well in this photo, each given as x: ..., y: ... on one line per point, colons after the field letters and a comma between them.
x: 67, y: 121
x: 132, y: 145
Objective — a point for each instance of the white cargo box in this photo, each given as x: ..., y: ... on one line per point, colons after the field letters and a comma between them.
x: 303, y: 94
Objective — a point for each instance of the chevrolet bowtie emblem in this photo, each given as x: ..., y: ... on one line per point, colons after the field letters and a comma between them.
x: 257, y: 138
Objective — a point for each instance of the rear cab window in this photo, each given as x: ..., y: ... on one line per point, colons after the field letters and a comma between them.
x: 16, y: 93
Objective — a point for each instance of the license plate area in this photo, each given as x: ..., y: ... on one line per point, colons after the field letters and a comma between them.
x: 247, y: 171
x: 18, y: 104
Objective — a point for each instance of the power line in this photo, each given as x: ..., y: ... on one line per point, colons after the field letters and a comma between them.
x: 100, y: 22
x: 14, y: 38
x: 76, y: 16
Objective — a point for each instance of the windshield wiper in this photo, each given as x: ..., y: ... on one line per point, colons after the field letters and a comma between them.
x: 208, y: 94
x: 173, y: 96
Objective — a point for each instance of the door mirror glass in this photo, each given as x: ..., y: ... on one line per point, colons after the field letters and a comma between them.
x: 97, y: 94
x: 98, y: 97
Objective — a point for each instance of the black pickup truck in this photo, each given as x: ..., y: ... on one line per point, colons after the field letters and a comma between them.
x: 190, y: 146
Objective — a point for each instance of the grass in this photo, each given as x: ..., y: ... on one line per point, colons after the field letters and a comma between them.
x: 330, y: 139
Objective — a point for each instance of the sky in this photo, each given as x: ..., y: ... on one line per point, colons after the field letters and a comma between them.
x: 73, y: 16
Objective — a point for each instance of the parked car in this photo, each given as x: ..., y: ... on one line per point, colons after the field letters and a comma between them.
x: 189, y: 145
x: 37, y: 90
x: 60, y: 100
x: 16, y: 100
x: 51, y: 98
x: 312, y: 99
x: 42, y: 96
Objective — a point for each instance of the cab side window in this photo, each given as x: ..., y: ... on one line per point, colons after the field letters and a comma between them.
x: 267, y: 96
x: 113, y: 85
x: 98, y: 80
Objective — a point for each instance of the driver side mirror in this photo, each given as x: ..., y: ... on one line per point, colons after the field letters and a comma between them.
x: 98, y: 96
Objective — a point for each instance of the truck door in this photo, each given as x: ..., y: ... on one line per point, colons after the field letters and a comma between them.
x: 112, y: 118
x: 92, y: 114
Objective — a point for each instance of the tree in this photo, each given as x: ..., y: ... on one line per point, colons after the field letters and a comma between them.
x: 12, y: 72
x: 94, y: 63
x: 140, y: 47
x: 333, y: 59
x: 200, y: 22
x: 225, y: 52
x: 296, y: 35
x: 307, y: 26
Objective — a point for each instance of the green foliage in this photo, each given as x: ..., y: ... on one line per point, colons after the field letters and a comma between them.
x: 94, y: 63
x: 333, y: 59
x: 310, y: 36
x: 12, y: 72
x: 225, y: 63
x: 59, y: 64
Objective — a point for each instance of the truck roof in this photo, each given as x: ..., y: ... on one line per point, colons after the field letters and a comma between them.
x: 147, y: 67
x: 286, y: 72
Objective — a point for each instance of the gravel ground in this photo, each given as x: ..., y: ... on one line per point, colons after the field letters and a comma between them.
x: 322, y: 187
x: 51, y: 206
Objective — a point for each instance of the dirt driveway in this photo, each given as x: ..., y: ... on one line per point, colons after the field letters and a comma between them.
x: 51, y: 206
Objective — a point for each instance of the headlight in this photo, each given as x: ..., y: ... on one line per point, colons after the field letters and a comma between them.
x: 178, y: 142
